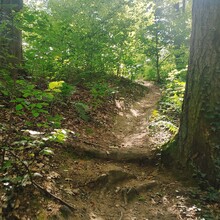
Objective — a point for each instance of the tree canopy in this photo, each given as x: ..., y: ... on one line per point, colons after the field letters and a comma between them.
x: 109, y: 36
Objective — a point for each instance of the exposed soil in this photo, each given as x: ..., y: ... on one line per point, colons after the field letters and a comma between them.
x: 112, y: 172
x: 127, y: 138
x: 131, y: 124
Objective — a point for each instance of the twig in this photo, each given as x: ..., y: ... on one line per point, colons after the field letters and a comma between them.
x: 121, y: 216
x: 24, y: 164
x: 53, y: 196
x: 40, y: 187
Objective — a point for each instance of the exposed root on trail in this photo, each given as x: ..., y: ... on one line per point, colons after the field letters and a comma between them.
x: 129, y: 134
x: 128, y: 155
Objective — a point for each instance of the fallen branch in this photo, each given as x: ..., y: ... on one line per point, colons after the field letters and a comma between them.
x: 53, y: 196
x: 40, y: 187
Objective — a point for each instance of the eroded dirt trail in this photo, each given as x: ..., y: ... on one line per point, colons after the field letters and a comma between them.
x: 127, y: 138
x: 118, y: 186
x: 109, y: 179
x: 131, y: 124
x: 106, y: 190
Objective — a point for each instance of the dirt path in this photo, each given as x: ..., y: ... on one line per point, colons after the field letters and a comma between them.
x: 128, y: 138
x: 113, y: 181
x: 130, y: 126
x: 106, y: 190
x: 111, y: 187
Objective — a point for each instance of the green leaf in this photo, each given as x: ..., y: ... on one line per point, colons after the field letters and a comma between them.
x: 18, y: 107
x: 46, y: 151
x: 55, y: 85
x: 17, y: 100
x: 7, y: 164
x: 39, y: 105
x: 26, y: 95
x: 35, y: 114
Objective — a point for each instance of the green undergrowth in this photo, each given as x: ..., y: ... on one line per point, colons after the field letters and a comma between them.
x: 166, y: 116
x: 101, y: 84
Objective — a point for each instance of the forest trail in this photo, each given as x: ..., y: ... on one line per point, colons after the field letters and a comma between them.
x: 113, y: 174
x: 130, y: 126
x: 114, y: 182
x: 128, y: 137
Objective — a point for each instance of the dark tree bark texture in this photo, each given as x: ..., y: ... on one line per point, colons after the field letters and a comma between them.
x: 199, y: 134
x: 184, y: 6
x: 10, y: 37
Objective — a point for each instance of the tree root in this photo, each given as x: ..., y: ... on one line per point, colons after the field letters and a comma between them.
x: 96, y: 151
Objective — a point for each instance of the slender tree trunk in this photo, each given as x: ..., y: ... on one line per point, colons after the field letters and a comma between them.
x: 157, y: 50
x: 199, y: 134
x: 158, y: 66
x: 184, y: 6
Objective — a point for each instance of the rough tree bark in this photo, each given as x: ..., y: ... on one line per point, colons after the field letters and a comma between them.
x: 184, y: 6
x: 10, y: 37
x: 199, y: 135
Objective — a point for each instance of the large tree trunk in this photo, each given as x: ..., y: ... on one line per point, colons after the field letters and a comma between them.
x: 199, y: 134
x: 10, y: 37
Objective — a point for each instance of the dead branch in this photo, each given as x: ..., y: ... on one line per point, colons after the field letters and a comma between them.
x: 40, y: 187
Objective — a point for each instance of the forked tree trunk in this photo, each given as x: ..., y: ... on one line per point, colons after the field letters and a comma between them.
x: 199, y: 134
x: 10, y: 37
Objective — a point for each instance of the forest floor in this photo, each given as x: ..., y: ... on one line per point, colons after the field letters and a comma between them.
x: 112, y: 170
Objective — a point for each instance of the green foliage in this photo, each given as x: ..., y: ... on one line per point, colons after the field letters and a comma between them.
x: 67, y: 90
x: 165, y: 40
x: 162, y: 121
x: 54, y: 121
x: 166, y: 118
x: 148, y: 74
x: 36, y: 101
x: 55, y: 86
x: 100, y: 91
x: 83, y: 110
x: 65, y: 40
x: 60, y: 91
x: 59, y: 45
x: 172, y: 97
x: 59, y: 135
x: 30, y: 100
x: 32, y: 104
